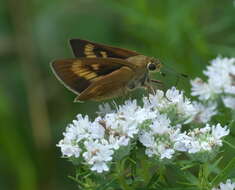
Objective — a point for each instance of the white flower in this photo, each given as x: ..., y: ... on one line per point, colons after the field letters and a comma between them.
x: 98, y: 154
x: 221, y: 79
x: 167, y: 153
x: 68, y: 149
x: 100, y: 167
x: 157, y: 125
x: 182, y: 142
x: 128, y: 107
x: 117, y: 141
x: 229, y: 102
x: 149, y: 152
x: 183, y: 105
x: 220, y: 74
x: 161, y: 150
x: 160, y: 125
x: 121, y: 125
x: 204, y: 112
x: 187, y: 143
x: 218, y: 132
x: 199, y: 140
x: 158, y: 138
x: 174, y: 95
x: 147, y: 139
x: 173, y: 99
x: 145, y: 114
x: 155, y: 100
x: 96, y: 130
x: 104, y: 108
x: 80, y: 129
x: 201, y: 89
x: 229, y: 185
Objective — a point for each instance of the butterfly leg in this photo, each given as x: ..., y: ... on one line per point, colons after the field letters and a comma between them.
x: 149, y: 88
x: 157, y: 82
x: 160, y: 83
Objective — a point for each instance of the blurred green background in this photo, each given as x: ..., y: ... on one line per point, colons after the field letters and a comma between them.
x: 35, y: 108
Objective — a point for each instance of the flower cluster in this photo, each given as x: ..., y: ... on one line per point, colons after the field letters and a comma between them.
x: 97, y: 140
x: 220, y: 83
x: 226, y: 186
x: 157, y: 125
x: 158, y: 137
x: 204, y: 112
x: 200, y: 140
x: 174, y: 103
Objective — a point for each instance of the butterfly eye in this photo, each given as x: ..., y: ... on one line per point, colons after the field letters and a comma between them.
x: 152, y: 66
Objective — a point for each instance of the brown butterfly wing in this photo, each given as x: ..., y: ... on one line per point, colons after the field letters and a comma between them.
x: 78, y: 74
x: 108, y: 86
x: 84, y: 48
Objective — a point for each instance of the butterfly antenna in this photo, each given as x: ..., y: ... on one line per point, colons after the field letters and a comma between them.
x: 171, y: 70
x: 178, y: 75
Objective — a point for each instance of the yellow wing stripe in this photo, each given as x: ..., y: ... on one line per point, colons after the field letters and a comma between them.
x: 95, y: 67
x: 104, y: 54
x: 80, y: 71
x: 88, y: 51
x: 91, y: 56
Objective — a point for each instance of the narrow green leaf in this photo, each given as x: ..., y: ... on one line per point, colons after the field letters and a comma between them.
x: 214, y: 167
x: 180, y: 188
x: 188, y: 166
x: 225, y: 172
x: 229, y: 144
x: 153, y: 180
x: 191, y: 178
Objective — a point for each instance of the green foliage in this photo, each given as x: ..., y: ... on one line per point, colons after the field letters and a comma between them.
x: 151, y: 174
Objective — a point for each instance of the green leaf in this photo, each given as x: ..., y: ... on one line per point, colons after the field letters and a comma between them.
x: 229, y: 144
x: 188, y: 166
x: 224, y: 173
x: 213, y: 168
x: 180, y: 188
x: 153, y: 180
x: 191, y: 178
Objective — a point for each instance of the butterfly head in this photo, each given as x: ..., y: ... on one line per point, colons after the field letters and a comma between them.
x: 154, y: 65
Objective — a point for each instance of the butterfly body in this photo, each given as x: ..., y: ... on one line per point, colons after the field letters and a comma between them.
x: 101, y: 72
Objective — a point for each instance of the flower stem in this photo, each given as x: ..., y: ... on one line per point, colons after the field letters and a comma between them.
x: 121, y: 175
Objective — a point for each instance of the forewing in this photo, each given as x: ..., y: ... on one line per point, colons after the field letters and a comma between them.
x: 78, y: 74
x: 108, y: 86
x: 84, y: 48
